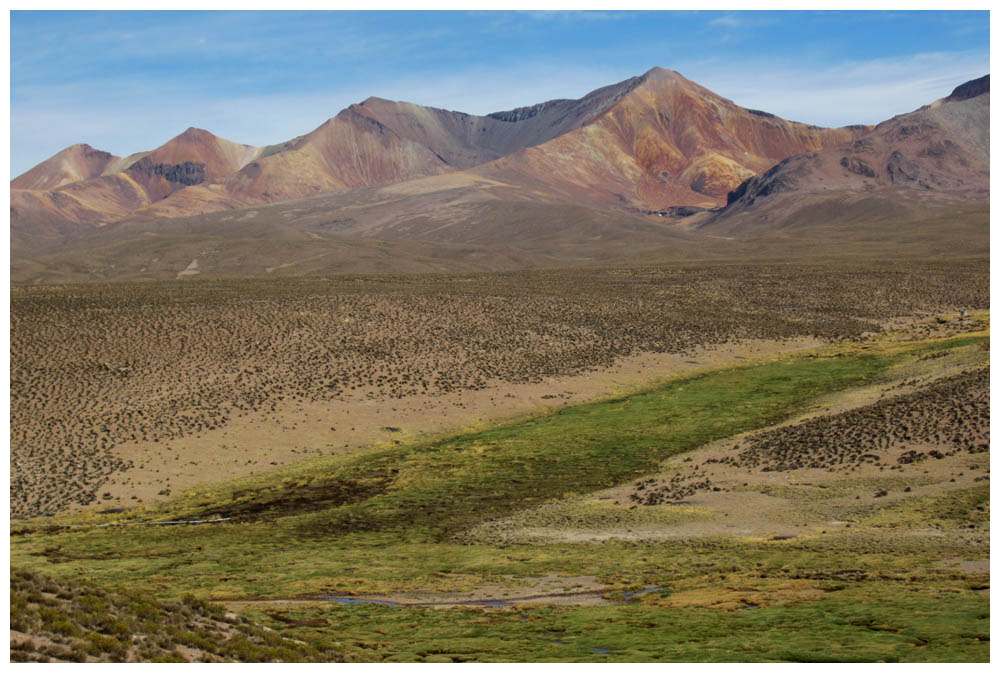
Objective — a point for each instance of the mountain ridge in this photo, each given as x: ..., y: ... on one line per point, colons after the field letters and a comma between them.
x: 667, y: 142
x: 936, y: 152
x: 379, y: 142
x: 379, y: 187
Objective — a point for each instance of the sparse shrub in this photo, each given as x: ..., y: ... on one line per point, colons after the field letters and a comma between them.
x: 102, y: 646
x: 21, y: 655
x: 65, y: 628
x: 315, y: 339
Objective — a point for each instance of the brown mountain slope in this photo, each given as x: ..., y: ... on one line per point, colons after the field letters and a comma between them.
x: 348, y: 151
x: 648, y: 142
x: 933, y: 160
x: 463, y: 141
x: 73, y: 164
x: 372, y: 143
x: 90, y: 202
x: 113, y: 188
x: 667, y: 141
x: 380, y: 142
x: 194, y: 157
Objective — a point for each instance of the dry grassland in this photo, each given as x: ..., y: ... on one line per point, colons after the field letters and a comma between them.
x: 158, y: 366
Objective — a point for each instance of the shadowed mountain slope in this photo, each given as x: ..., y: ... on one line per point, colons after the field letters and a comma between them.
x: 463, y: 141
x: 914, y: 167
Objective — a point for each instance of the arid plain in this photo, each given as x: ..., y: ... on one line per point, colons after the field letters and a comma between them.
x: 162, y: 392
x: 643, y: 376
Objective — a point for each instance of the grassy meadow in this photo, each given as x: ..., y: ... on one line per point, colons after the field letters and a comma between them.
x: 393, y: 521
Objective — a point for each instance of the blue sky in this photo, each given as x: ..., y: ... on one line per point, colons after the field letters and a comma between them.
x: 129, y: 81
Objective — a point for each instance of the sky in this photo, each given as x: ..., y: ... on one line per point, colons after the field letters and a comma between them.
x: 129, y: 81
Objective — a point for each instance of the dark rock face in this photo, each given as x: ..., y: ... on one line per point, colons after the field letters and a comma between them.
x: 518, y: 114
x: 971, y: 89
x: 761, y: 113
x: 562, y: 107
x: 684, y: 211
x: 187, y: 173
x: 901, y: 169
x: 100, y: 155
x: 910, y: 130
x: 737, y: 194
x: 856, y: 165
x: 782, y: 177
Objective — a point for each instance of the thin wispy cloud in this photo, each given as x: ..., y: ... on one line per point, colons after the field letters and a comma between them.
x: 852, y: 92
x: 739, y: 21
x: 571, y: 15
x: 726, y: 21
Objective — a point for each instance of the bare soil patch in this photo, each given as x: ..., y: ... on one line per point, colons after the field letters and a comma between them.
x: 210, y: 379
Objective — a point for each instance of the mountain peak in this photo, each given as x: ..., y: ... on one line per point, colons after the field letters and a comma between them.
x: 656, y: 72
x: 195, y: 133
x: 74, y: 163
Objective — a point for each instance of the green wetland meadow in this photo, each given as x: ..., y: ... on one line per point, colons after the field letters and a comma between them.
x: 904, y: 581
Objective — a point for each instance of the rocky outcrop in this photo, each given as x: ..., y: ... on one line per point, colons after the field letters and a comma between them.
x: 971, y: 89
x: 858, y: 166
x: 781, y: 178
x: 187, y: 173
x: 901, y: 169
x: 520, y: 114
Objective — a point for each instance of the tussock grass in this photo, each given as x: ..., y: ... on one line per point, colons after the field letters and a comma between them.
x: 389, y: 522
x: 62, y: 620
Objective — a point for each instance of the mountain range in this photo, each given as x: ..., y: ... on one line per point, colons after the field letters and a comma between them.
x: 654, y: 167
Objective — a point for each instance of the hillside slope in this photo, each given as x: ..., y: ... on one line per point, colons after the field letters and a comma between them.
x: 667, y: 142
x: 45, y: 200
x: 928, y: 165
x: 373, y: 143
x: 73, y: 164
x: 647, y: 142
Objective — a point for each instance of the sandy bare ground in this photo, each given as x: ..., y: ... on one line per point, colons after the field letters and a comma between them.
x: 190, y: 270
x: 258, y: 442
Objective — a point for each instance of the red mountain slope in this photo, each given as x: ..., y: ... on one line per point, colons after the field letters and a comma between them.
x: 668, y: 141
